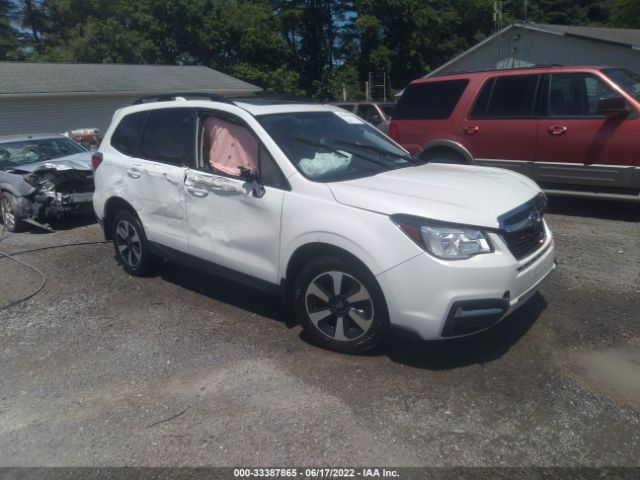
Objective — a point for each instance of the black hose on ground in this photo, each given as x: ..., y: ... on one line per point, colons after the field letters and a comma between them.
x: 43, y: 277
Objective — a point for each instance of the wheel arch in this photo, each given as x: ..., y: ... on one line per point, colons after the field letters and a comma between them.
x: 21, y: 189
x: 304, y: 253
x: 446, y: 145
x: 111, y: 207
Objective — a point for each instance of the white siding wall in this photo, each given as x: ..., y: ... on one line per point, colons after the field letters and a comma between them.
x: 521, y: 47
x: 57, y: 114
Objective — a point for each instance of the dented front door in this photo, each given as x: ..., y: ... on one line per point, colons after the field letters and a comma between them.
x: 231, y: 227
x: 160, y: 187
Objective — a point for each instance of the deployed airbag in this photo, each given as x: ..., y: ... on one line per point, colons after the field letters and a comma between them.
x: 324, y: 163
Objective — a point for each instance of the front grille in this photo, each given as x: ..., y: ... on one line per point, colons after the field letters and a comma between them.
x: 523, y: 228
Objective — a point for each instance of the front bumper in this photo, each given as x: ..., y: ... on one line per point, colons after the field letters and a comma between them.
x: 436, y: 298
x: 55, y: 205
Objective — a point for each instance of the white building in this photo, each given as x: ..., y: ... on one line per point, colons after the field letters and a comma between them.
x: 527, y: 44
x: 58, y: 97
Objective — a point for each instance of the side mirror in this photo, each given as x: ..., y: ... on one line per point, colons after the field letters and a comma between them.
x: 252, y: 177
x: 376, y: 119
x: 613, y: 107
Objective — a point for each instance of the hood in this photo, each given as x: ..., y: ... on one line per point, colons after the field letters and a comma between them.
x: 450, y: 193
x: 77, y: 161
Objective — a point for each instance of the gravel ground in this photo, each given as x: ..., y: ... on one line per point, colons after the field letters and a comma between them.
x: 103, y: 369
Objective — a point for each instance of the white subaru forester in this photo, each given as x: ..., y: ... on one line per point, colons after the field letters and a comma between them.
x: 312, y: 202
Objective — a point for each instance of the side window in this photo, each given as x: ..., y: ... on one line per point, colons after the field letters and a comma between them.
x: 227, y: 146
x: 346, y: 106
x: 430, y: 101
x: 482, y: 102
x: 510, y: 96
x: 369, y: 113
x: 575, y: 94
x: 169, y: 136
x: 126, y: 138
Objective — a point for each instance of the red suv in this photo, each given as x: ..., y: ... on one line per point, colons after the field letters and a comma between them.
x: 574, y: 130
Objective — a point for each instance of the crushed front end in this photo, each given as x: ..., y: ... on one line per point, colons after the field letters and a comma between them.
x: 57, y: 193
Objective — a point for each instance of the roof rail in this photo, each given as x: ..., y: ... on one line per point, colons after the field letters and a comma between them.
x: 491, y: 69
x: 167, y: 97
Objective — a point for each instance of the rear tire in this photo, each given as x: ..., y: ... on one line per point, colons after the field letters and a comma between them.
x: 132, y: 248
x: 340, y: 305
x: 10, y: 213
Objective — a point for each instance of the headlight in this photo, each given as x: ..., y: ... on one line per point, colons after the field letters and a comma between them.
x: 450, y: 242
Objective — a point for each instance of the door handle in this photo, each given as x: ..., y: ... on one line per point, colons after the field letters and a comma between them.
x: 197, y: 192
x: 133, y: 172
x: 557, y: 130
x: 471, y: 129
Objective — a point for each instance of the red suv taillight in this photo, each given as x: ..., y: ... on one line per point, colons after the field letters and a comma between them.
x: 96, y: 160
x: 393, y: 131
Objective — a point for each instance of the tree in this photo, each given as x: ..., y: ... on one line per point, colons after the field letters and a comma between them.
x: 312, y: 29
x: 8, y: 35
x: 408, y: 38
x: 626, y: 13
x: 569, y: 12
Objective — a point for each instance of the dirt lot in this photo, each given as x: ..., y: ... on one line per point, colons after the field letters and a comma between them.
x: 184, y: 369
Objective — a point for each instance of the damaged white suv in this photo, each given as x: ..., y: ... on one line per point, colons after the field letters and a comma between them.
x: 312, y: 202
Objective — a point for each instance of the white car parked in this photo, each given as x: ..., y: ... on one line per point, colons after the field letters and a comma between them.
x: 312, y: 202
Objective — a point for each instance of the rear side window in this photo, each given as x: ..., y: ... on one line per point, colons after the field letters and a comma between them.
x: 126, y: 138
x: 430, y: 101
x: 169, y: 136
x: 509, y: 96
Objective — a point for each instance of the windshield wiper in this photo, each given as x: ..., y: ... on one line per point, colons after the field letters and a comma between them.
x: 376, y: 149
x: 313, y: 143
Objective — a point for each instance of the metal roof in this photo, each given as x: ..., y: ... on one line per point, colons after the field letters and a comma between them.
x: 26, y: 78
x: 623, y: 36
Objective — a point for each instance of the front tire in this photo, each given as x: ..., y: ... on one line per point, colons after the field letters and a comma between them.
x: 10, y: 212
x: 340, y: 305
x: 131, y: 245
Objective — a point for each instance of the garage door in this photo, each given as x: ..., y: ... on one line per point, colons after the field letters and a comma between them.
x: 58, y: 114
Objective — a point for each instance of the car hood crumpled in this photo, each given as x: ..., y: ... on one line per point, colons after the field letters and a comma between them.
x: 77, y: 161
x: 461, y: 194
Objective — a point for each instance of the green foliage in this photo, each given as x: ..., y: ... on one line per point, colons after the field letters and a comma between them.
x: 8, y: 35
x: 279, y: 81
x: 335, y: 81
x: 569, y: 12
x: 626, y: 13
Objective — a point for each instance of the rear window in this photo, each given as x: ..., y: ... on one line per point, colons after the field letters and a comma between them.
x: 508, y: 96
x: 126, y: 138
x: 430, y: 101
